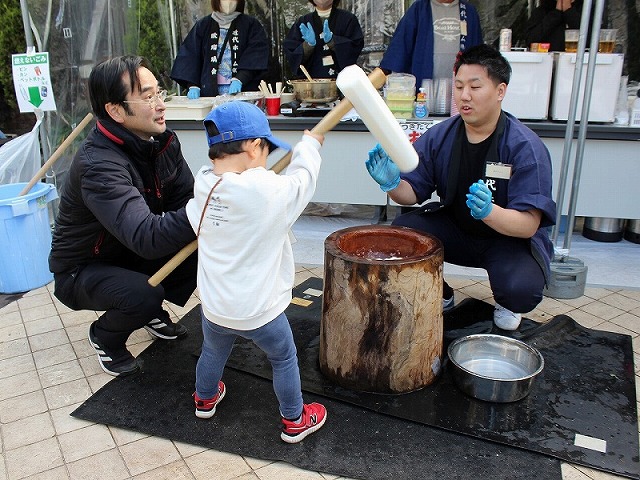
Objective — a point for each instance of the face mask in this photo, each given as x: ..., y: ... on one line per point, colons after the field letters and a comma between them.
x: 228, y: 6
x: 323, y: 4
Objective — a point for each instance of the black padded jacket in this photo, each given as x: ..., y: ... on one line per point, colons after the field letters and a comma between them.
x: 122, y: 195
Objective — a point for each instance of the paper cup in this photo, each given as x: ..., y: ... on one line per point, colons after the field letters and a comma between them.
x: 273, y: 106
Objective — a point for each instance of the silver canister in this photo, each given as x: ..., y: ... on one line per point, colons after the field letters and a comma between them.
x: 505, y: 40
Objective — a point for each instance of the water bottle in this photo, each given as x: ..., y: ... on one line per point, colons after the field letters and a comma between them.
x: 622, y: 105
x: 420, y: 109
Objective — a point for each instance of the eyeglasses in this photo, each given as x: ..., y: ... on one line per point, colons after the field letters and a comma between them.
x: 151, y: 100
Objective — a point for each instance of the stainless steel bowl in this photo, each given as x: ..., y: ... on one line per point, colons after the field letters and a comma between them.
x: 319, y: 90
x: 494, y: 368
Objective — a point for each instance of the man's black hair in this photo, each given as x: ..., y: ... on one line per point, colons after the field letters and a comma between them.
x: 498, y: 68
x: 106, y: 83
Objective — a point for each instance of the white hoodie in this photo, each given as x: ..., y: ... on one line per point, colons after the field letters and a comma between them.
x: 246, y: 267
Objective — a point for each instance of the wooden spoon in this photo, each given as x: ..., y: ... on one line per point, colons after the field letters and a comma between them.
x: 306, y: 73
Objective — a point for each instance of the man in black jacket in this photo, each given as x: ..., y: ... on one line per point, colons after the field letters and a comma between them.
x: 122, y: 215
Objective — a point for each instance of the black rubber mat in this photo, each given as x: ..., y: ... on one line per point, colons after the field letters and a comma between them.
x: 355, y: 442
x: 581, y: 409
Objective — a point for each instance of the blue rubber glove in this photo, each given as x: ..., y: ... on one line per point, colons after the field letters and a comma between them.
x: 382, y: 169
x: 326, y: 33
x: 479, y: 200
x: 308, y: 35
x: 193, y: 93
x: 235, y: 86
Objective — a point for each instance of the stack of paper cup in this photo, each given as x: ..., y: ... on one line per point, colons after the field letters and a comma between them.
x: 443, y: 96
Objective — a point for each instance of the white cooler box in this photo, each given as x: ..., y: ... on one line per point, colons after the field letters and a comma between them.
x: 606, y: 84
x: 529, y: 89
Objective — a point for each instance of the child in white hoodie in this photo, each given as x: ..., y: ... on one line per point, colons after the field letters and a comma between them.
x: 242, y: 214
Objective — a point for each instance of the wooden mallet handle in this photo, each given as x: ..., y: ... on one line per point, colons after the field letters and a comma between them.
x: 173, y: 263
x: 57, y: 154
x: 330, y: 120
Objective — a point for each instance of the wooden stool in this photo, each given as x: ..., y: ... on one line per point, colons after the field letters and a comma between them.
x: 381, y: 328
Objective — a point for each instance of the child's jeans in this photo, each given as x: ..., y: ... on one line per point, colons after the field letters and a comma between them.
x: 275, y: 339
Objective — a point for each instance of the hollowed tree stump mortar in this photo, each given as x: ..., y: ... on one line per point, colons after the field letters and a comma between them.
x: 381, y: 328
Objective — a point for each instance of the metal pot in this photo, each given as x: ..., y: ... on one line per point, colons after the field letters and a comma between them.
x: 494, y: 368
x: 320, y: 90
x: 602, y: 229
x: 632, y: 232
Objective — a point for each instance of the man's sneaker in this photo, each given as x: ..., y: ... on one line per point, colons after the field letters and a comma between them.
x: 118, y: 363
x: 447, y: 297
x: 506, y: 319
x: 165, y: 329
x: 313, y: 417
x: 207, y: 408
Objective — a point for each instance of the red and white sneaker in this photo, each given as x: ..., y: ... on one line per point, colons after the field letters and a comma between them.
x: 206, y: 408
x: 313, y: 417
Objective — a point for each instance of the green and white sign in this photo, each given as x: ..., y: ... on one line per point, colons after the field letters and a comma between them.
x: 32, y: 82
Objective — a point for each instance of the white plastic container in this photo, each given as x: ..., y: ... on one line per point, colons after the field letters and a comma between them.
x: 529, y: 89
x: 183, y: 108
x: 603, y: 95
x: 400, y: 93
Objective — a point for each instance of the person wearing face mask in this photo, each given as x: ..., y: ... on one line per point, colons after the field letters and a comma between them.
x: 324, y: 41
x: 225, y: 52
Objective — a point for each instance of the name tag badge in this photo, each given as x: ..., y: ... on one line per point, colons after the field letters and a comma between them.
x: 498, y: 170
x: 328, y: 60
x: 463, y: 27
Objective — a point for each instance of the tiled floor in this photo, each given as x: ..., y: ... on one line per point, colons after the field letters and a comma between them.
x: 47, y: 369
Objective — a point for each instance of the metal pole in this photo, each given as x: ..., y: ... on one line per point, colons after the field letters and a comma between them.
x: 571, y: 120
x: 174, y: 36
x: 582, y: 134
x: 27, y: 25
x: 28, y: 35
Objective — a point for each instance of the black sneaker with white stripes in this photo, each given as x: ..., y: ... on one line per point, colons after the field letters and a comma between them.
x: 165, y: 329
x: 118, y: 363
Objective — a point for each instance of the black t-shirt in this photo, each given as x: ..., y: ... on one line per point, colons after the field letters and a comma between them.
x: 472, y: 169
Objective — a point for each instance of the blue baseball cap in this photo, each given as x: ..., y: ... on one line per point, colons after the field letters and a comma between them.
x: 238, y: 120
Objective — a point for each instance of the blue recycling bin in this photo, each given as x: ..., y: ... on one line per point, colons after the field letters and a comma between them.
x: 25, y: 237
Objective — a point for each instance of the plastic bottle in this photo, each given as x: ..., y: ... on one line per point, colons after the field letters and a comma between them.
x: 634, y: 121
x: 420, y: 109
x: 622, y: 105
